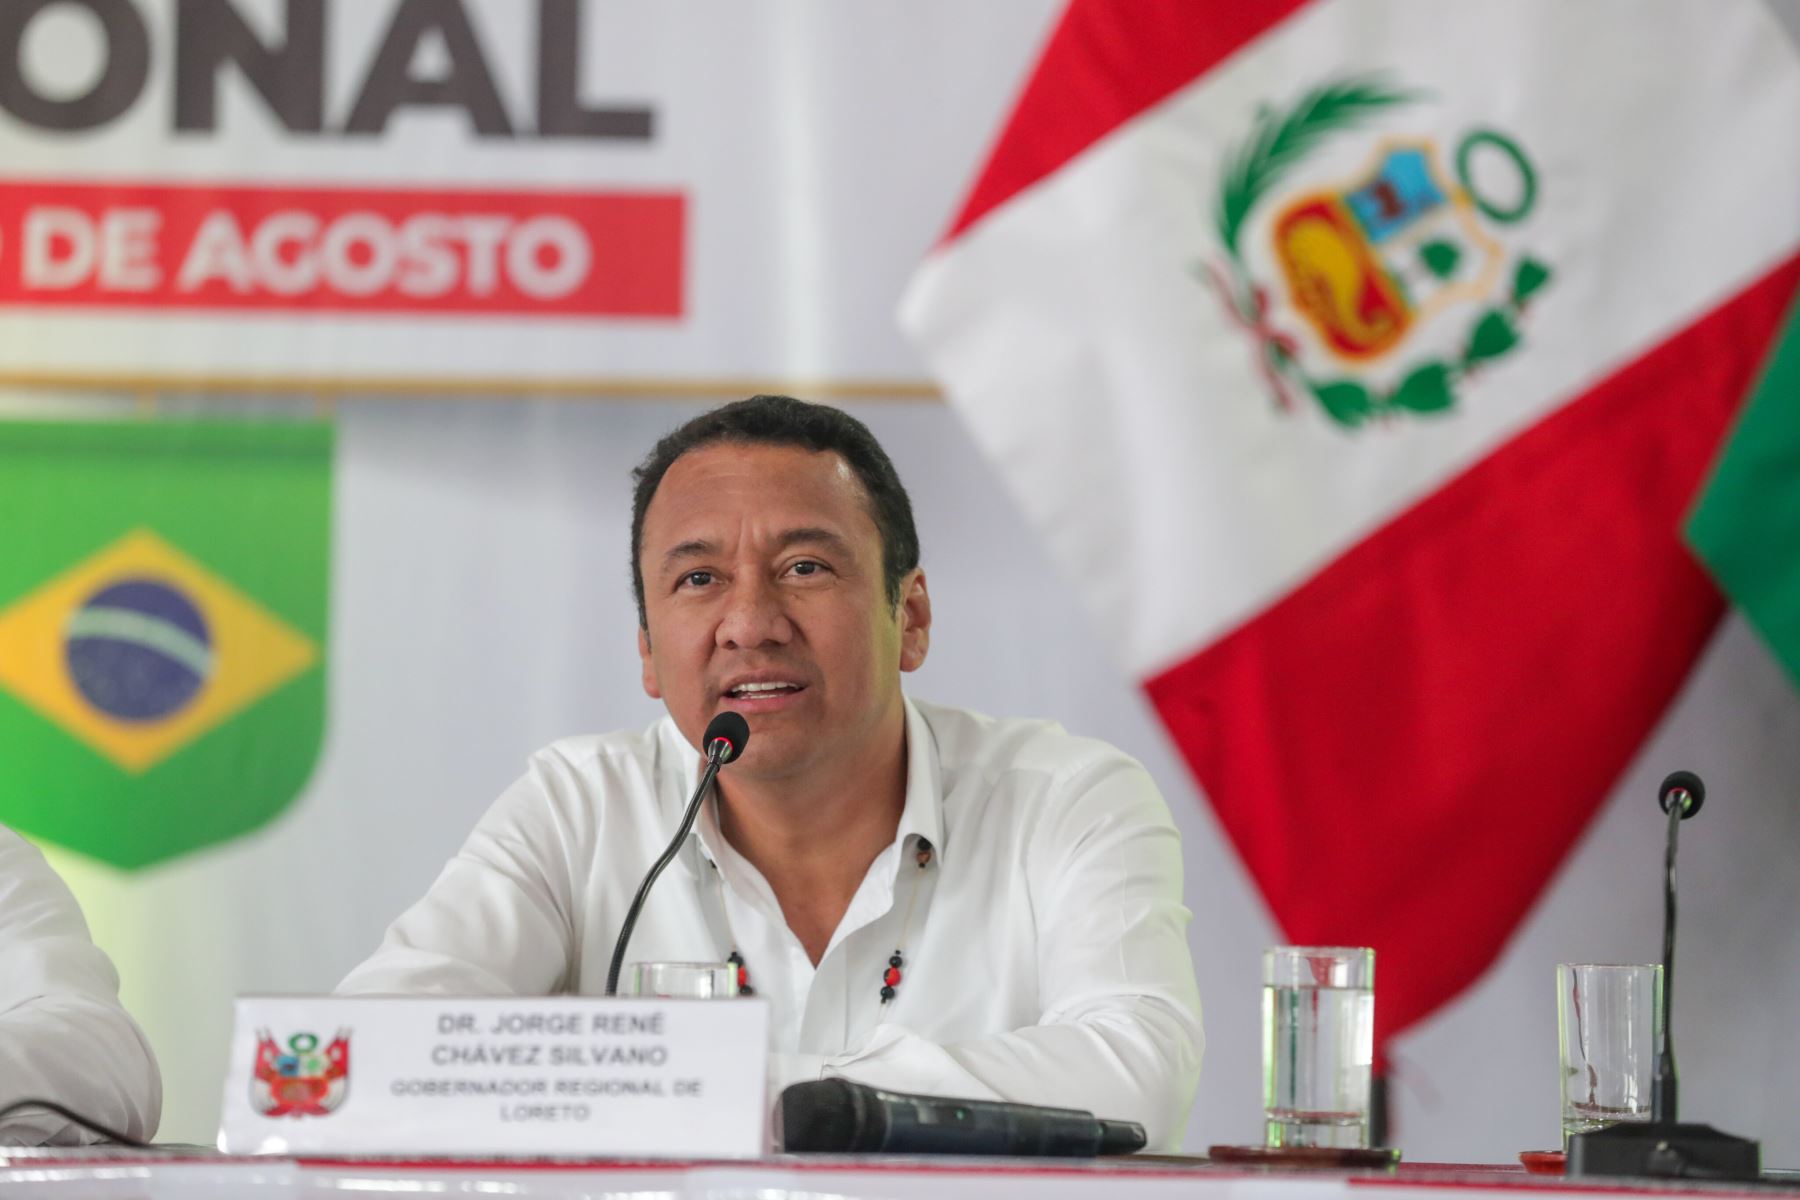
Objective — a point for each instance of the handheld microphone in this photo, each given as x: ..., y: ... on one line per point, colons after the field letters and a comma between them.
x: 724, y: 740
x: 838, y: 1116
x: 1663, y: 1146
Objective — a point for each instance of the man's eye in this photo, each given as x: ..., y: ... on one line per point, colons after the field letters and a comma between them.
x: 696, y: 579
x: 806, y: 567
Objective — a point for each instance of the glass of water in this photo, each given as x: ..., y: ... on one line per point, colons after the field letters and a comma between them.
x: 682, y: 980
x: 1318, y: 1044
x: 1608, y: 1020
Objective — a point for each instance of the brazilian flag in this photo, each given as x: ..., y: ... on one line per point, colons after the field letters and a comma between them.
x: 162, y: 629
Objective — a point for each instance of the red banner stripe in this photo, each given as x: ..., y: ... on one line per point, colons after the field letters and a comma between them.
x: 1106, y: 62
x: 217, y: 247
x: 1365, y: 742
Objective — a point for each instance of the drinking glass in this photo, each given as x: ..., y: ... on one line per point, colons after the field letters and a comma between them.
x: 1318, y: 1044
x: 682, y: 980
x: 1608, y: 1021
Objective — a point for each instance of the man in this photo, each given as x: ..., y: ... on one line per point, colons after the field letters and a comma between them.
x: 929, y: 900
x: 63, y: 1035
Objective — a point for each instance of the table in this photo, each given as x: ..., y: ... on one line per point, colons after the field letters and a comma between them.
x: 122, y: 1175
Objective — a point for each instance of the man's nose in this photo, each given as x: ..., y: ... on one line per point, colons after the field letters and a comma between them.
x: 754, y: 615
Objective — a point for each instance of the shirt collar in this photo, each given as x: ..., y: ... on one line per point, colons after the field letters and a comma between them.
x: 921, y: 815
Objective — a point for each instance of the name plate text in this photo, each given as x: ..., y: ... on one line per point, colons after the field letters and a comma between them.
x: 545, y: 1076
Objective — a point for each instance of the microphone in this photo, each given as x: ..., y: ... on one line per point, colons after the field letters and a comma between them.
x: 1663, y: 1146
x: 1685, y: 787
x: 724, y: 740
x: 838, y: 1116
x: 726, y: 736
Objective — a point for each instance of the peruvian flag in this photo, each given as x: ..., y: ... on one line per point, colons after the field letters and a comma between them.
x: 1358, y: 360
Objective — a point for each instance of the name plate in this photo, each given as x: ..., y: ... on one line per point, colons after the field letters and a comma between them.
x: 331, y: 1075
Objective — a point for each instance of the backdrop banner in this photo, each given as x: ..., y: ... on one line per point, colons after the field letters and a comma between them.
x: 476, y: 193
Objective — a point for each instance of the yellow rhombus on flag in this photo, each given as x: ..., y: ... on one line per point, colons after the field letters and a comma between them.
x: 250, y: 652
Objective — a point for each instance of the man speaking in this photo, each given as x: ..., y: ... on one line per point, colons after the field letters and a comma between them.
x: 928, y: 899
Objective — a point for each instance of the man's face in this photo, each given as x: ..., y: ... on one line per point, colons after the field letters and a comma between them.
x: 764, y: 593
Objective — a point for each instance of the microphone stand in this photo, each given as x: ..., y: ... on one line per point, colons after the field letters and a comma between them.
x: 719, y: 751
x: 1664, y: 1146
x: 1664, y: 1088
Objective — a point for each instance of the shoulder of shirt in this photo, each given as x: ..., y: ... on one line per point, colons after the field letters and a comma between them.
x: 32, y: 894
x: 996, y: 747
x: 643, y: 746
x: 629, y: 767
x: 22, y: 863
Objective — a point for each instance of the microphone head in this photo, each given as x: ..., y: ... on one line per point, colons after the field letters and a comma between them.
x: 1687, y: 786
x: 828, y: 1116
x: 729, y: 728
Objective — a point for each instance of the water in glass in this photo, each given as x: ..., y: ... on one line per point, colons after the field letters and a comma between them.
x: 1320, y: 1047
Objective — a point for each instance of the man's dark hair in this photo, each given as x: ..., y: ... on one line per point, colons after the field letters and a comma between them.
x: 785, y: 421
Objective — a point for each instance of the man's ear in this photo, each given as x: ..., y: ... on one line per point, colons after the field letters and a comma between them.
x: 915, y: 621
x: 650, y: 686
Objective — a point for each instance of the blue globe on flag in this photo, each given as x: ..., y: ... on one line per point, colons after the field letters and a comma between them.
x: 138, y: 650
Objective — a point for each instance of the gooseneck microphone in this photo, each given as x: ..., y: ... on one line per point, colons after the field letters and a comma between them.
x: 726, y: 736
x: 838, y: 1116
x: 1664, y: 1146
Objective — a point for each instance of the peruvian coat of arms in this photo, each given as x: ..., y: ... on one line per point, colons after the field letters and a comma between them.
x: 1412, y: 243
x: 300, y: 1079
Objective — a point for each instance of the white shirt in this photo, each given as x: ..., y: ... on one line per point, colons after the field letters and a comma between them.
x: 63, y: 1035
x: 1045, y: 951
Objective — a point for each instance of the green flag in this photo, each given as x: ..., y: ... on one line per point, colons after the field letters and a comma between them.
x: 1746, y: 526
x: 162, y: 629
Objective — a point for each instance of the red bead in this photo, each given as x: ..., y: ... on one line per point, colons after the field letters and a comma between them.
x: 891, y: 977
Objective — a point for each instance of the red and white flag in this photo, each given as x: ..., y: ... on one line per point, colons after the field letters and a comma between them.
x: 1358, y: 360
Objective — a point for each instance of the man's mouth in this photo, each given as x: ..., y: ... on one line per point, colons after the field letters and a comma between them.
x: 763, y: 691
